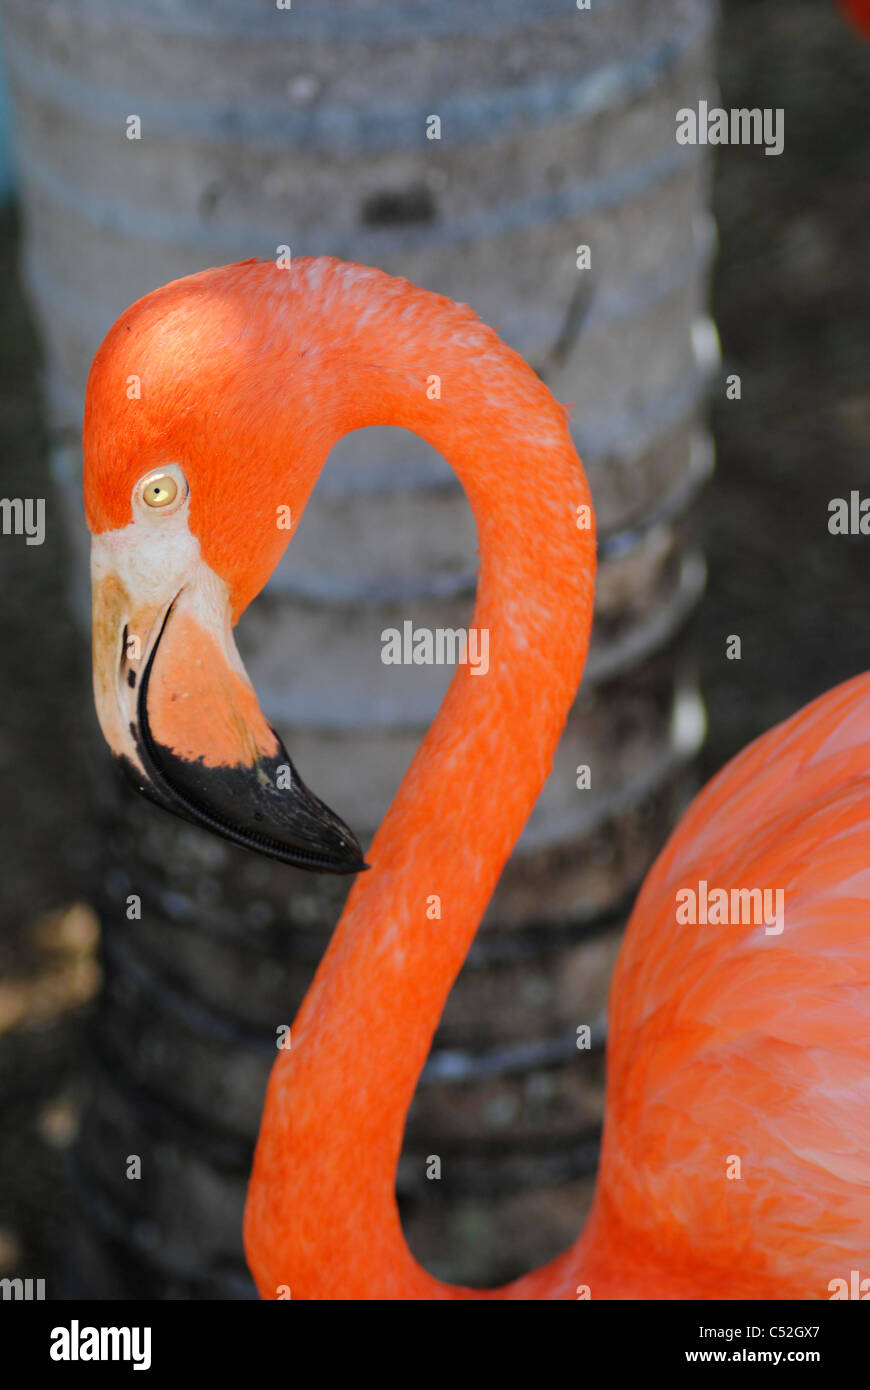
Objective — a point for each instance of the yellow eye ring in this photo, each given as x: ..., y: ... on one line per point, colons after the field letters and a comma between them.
x: 160, y: 490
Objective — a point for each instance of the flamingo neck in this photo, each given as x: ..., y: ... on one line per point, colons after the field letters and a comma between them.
x: 322, y: 1216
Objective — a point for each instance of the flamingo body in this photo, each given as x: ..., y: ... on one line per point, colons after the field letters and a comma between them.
x: 735, y: 1157
x: 858, y: 11
x: 726, y: 1040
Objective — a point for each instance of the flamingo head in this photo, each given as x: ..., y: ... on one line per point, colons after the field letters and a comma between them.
x: 198, y: 463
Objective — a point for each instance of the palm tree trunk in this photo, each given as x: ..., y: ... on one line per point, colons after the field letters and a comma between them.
x: 311, y: 128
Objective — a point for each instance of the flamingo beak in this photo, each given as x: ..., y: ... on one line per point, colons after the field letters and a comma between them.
x: 180, y: 714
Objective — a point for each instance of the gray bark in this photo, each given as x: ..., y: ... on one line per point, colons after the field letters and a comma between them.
x: 307, y: 128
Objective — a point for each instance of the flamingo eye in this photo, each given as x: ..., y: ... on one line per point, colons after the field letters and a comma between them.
x: 159, y: 492
x: 164, y: 490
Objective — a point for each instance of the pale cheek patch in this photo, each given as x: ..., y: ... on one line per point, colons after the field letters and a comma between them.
x: 152, y: 558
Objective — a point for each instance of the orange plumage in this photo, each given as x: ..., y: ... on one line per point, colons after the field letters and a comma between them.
x: 726, y: 1041
x: 858, y: 11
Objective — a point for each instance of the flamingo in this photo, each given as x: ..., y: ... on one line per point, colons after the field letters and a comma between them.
x: 858, y: 11
x: 736, y: 1150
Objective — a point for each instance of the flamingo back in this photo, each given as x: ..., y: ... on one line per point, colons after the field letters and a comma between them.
x: 736, y: 1159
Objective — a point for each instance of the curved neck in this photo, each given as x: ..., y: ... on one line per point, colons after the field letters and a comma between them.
x: 321, y: 1213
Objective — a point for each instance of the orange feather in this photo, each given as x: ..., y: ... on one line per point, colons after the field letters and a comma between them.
x: 726, y: 1042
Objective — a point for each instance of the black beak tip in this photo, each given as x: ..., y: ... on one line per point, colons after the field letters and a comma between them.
x: 295, y: 827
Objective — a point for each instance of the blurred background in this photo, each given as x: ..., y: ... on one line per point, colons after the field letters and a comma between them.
x: 306, y: 127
